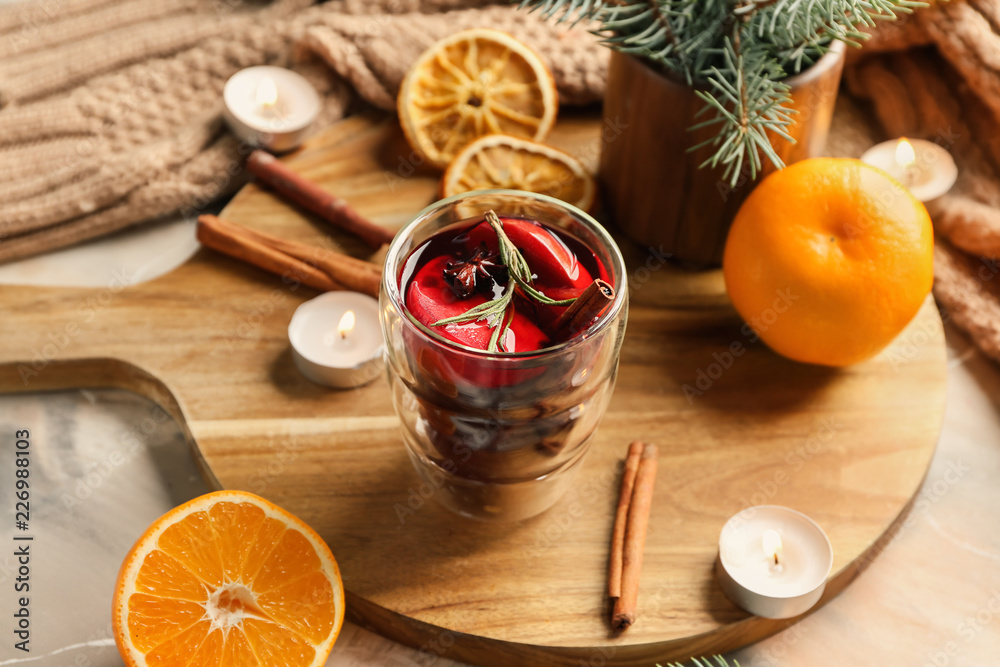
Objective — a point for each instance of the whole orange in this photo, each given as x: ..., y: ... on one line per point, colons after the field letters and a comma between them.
x: 828, y: 260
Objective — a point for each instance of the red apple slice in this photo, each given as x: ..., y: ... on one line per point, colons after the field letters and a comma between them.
x: 550, y: 260
x: 430, y: 300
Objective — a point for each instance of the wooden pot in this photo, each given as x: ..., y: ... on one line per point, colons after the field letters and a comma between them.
x: 653, y: 186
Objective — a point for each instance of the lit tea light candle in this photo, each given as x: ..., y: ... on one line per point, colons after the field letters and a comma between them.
x: 772, y: 545
x: 267, y: 97
x: 336, y: 339
x: 270, y: 107
x: 928, y: 170
x: 773, y: 561
x: 344, y: 329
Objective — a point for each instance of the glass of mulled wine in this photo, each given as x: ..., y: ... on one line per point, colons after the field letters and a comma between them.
x: 503, y: 313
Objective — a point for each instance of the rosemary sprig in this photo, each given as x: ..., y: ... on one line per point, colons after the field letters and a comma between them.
x: 495, y: 312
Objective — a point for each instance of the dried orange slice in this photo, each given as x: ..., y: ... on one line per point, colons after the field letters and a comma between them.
x: 228, y: 579
x: 473, y: 83
x: 500, y: 161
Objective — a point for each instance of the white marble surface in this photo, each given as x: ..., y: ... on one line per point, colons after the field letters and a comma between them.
x: 105, y: 464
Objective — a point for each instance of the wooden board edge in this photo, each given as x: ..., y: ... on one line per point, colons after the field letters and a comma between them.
x: 442, y: 642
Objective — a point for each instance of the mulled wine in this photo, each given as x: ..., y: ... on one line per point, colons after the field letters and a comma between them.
x: 502, y: 327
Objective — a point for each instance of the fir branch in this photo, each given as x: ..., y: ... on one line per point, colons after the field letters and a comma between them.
x: 748, y: 102
x: 663, y: 19
x: 741, y: 51
x: 717, y: 661
x: 575, y: 10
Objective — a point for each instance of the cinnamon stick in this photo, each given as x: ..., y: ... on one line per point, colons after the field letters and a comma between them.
x: 311, y: 196
x: 354, y: 274
x: 261, y: 256
x: 343, y: 271
x: 635, y: 538
x: 621, y: 516
x: 588, y: 306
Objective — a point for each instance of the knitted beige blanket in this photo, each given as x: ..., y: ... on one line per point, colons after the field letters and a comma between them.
x: 937, y: 77
x: 110, y: 109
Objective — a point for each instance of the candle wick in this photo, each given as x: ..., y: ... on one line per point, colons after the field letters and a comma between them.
x: 776, y: 558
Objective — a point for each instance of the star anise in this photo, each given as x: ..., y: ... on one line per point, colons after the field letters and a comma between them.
x: 483, y: 270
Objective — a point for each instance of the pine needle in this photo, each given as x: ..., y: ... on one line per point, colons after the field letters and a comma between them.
x: 741, y: 50
x: 716, y: 661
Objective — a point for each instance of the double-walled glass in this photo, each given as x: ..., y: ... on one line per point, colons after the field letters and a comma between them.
x: 498, y: 436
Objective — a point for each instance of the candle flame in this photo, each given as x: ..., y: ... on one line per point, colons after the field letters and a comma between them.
x: 772, y: 544
x: 346, y: 324
x: 267, y: 92
x: 905, y: 156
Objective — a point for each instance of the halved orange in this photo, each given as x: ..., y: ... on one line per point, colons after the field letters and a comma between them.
x: 501, y: 161
x: 473, y: 83
x: 228, y: 579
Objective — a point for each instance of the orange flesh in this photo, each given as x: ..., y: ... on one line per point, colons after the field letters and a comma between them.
x: 231, y: 586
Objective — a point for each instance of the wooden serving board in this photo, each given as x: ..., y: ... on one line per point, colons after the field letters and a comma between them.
x: 208, y: 341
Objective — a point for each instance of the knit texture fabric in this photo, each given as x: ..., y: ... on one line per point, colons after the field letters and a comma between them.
x: 110, y: 110
x: 938, y: 78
